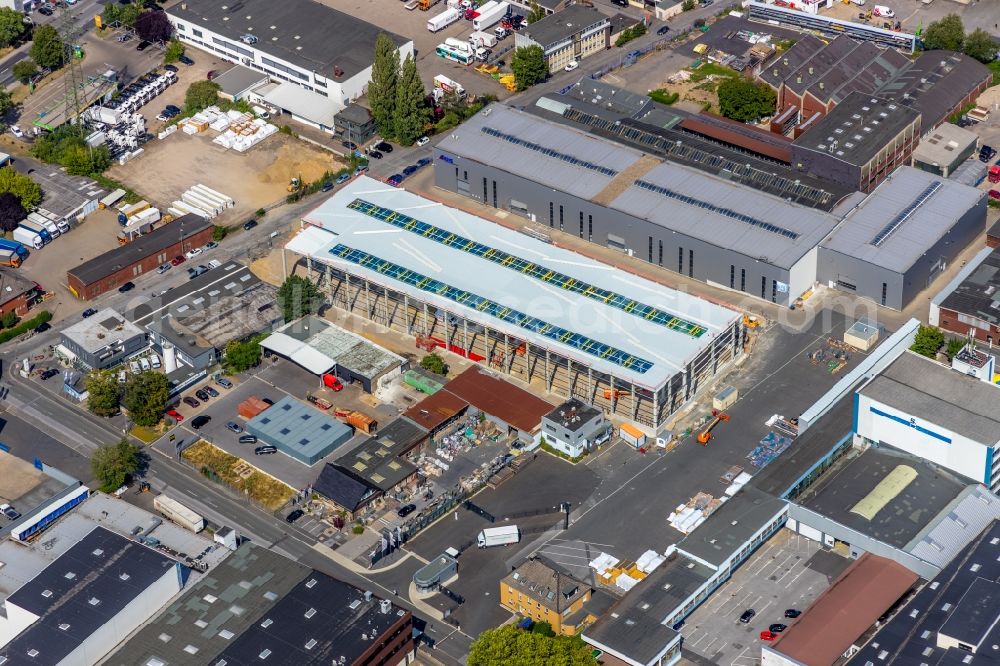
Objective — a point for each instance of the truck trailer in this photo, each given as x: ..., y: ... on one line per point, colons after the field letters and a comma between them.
x: 490, y: 16
x: 481, y: 39
x: 45, y: 222
x: 498, y: 536
x: 443, y: 83
x: 179, y: 513
x: 443, y: 20
x: 9, y: 258
x: 15, y: 246
x: 37, y: 229
x: 28, y: 237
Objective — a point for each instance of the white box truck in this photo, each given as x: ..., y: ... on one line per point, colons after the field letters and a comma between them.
x: 443, y: 20
x: 481, y: 39
x: 443, y: 83
x: 179, y: 513
x: 48, y: 224
x: 28, y: 237
x: 499, y: 536
x: 60, y: 222
x: 489, y: 16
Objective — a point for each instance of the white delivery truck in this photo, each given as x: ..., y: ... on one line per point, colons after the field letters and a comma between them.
x: 28, y: 237
x: 443, y: 83
x: 443, y: 20
x: 179, y: 513
x: 490, y: 17
x: 499, y: 536
x: 481, y: 39
x: 49, y: 225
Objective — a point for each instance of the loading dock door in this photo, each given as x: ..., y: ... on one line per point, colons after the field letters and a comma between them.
x: 810, y: 532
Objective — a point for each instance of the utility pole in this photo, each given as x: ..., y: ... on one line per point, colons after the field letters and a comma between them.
x: 73, y: 80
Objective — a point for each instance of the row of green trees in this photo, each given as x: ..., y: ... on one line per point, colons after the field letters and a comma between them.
x: 144, y: 395
x: 149, y: 24
x: 949, y: 34
x: 67, y: 147
x: 396, y: 94
x: 929, y: 340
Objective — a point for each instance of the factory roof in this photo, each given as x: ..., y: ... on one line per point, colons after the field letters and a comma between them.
x: 489, y: 393
x: 238, y: 79
x: 562, y: 25
x: 731, y: 525
x: 296, y: 31
x: 844, y: 611
x: 573, y: 414
x: 944, y: 144
x: 62, y: 194
x: 911, y: 636
x: 318, y: 346
x: 854, y: 489
x: 341, y: 488
x: 199, y: 624
x: 634, y: 626
x: 955, y: 526
x: 903, y: 218
x: 84, y: 588
x: 101, y: 330
x: 544, y: 583
x: 784, y: 64
x: 858, y: 128
x: 221, y: 305
x: 298, y: 427
x: 936, y: 83
x: 318, y: 621
x: 435, y: 410
x: 976, y: 613
x: 518, y: 285
x: 933, y: 393
x: 979, y: 294
x: 378, y: 461
x: 149, y: 245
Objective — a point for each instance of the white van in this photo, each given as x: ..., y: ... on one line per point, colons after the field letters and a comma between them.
x: 144, y: 363
x: 859, y: 3
x: 154, y: 361
x: 883, y: 12
x: 134, y: 367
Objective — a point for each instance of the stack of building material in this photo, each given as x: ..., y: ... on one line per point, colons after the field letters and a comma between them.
x: 251, y: 407
x: 625, y: 582
x: 737, y: 483
x: 770, y: 447
x: 244, y: 131
x: 649, y: 560
x: 686, y: 517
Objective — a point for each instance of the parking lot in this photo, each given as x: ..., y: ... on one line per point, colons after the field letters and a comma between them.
x: 789, y: 571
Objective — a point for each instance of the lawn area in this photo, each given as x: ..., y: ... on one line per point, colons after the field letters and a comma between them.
x: 238, y: 474
x: 708, y: 69
x: 147, y: 435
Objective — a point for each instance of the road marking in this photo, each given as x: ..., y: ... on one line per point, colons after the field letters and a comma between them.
x: 589, y: 543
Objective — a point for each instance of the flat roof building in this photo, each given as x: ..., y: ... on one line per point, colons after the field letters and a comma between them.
x: 970, y: 305
x: 289, y: 41
x: 102, y: 340
x: 381, y: 463
x: 944, y: 148
x: 569, y: 35
x: 299, y: 430
x: 238, y: 80
x: 70, y: 198
x: 516, y: 303
x: 125, y: 263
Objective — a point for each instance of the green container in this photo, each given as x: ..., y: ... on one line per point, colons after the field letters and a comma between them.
x: 421, y: 382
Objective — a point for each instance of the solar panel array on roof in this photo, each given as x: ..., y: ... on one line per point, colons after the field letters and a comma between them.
x: 528, y: 268
x: 548, y: 151
x: 501, y: 312
x: 905, y: 214
x: 728, y: 212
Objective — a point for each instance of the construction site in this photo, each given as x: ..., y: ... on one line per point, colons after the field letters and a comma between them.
x: 522, y: 318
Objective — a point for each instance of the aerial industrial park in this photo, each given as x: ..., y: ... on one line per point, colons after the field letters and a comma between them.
x: 619, y: 332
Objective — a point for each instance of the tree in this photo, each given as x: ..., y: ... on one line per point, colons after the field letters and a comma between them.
x: 12, y: 26
x: 241, y: 356
x: 201, y: 94
x: 687, y: 5
x: 47, y: 48
x: 173, y: 52
x: 743, y: 100
x: 6, y: 101
x: 536, y: 13
x: 928, y: 341
x: 955, y: 345
x: 979, y: 45
x: 529, y: 66
x: 11, y: 211
x: 298, y: 296
x: 434, y: 363
x: 146, y: 395
x: 410, y: 112
x: 26, y: 190
x: 510, y: 645
x: 154, y: 26
x: 115, y: 464
x: 23, y: 70
x: 128, y: 15
x: 947, y: 33
x: 382, y: 89
x: 102, y: 393
x: 9, y: 319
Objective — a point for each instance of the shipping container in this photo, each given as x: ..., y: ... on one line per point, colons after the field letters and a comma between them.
x: 443, y: 20
x: 179, y: 513
x: 498, y: 536
x: 632, y: 435
x: 490, y: 17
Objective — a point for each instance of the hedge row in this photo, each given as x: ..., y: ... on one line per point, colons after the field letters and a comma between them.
x: 25, y: 326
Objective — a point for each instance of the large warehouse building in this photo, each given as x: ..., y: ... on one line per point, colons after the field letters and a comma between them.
x: 625, y: 177
x: 519, y: 305
x: 314, y: 76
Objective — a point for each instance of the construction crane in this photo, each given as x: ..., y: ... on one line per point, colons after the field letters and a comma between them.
x: 706, y: 434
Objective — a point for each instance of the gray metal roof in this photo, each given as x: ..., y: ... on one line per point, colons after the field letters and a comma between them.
x: 935, y: 393
x: 975, y: 614
x: 238, y: 79
x: 563, y: 25
x: 955, y: 526
x: 299, y: 429
x: 469, y: 140
x: 101, y: 330
x: 977, y: 294
x: 936, y: 83
x: 62, y: 193
x: 731, y: 525
x: 944, y: 144
x: 297, y: 31
x: 916, y: 233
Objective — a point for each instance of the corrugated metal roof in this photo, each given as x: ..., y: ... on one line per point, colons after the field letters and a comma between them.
x: 957, y: 525
x: 917, y: 234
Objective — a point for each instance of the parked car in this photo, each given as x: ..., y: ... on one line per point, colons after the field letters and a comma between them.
x: 571, y: 65
x: 175, y: 415
x: 191, y: 254
x: 327, y: 186
x: 294, y: 515
x: 50, y: 373
x: 768, y: 635
x: 172, y: 109
x: 199, y: 421
x: 423, y: 161
x: 143, y: 45
x: 9, y: 511
x: 177, y: 261
x: 202, y: 395
x: 265, y: 450
x: 747, y: 615
x: 190, y: 402
x: 343, y: 178
x: 423, y: 141
x: 89, y: 312
x: 224, y: 383
x: 994, y: 194
x: 404, y: 511
x: 395, y: 179
x: 249, y: 224
x: 987, y: 153
x: 664, y: 29
x: 410, y: 170
x: 384, y: 146
x: 777, y: 628
x: 360, y: 169
x: 792, y: 613
x: 210, y: 245
x: 128, y: 286
x: 16, y: 131
x: 171, y: 68
x: 186, y: 60
x: 44, y: 326
x: 248, y: 439
x: 350, y: 145
x: 45, y: 11
x: 211, y: 391
x: 233, y: 426
x: 374, y: 154
x: 211, y: 74
x: 163, y: 268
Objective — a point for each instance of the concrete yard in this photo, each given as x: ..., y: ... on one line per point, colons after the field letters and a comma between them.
x: 789, y: 571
